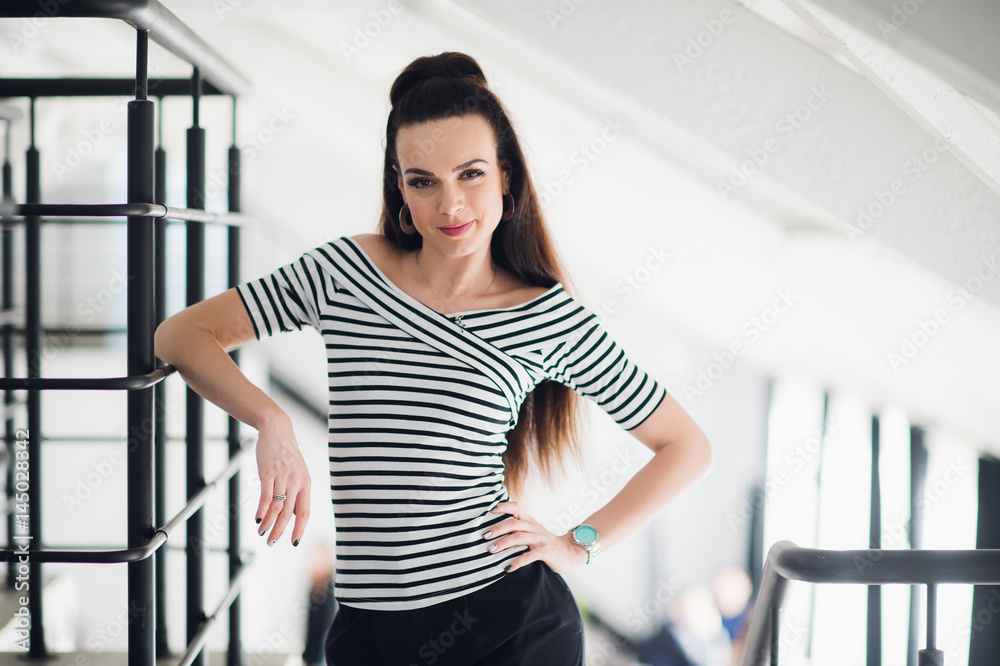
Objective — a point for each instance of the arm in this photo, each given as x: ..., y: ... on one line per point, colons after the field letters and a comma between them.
x: 682, y: 454
x: 195, y: 341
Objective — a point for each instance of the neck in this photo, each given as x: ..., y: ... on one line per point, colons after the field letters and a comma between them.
x: 453, y: 278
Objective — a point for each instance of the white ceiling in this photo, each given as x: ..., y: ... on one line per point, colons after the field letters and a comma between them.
x: 683, y: 128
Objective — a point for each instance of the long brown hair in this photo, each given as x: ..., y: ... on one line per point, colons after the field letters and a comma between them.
x: 452, y: 85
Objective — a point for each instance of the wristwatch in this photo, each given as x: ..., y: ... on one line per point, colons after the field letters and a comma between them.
x: 586, y: 536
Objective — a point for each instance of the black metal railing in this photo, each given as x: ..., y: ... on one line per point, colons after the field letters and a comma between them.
x: 146, y: 216
x: 786, y: 562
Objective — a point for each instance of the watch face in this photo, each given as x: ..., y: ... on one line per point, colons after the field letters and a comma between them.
x: 585, y: 534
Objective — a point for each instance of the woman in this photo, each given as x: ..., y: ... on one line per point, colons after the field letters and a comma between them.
x: 441, y: 331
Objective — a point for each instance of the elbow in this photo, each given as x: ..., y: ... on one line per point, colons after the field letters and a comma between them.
x: 160, y: 341
x: 164, y: 340
x: 704, y: 455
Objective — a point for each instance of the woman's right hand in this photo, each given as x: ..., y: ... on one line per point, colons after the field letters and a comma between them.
x: 282, y: 472
x: 195, y: 341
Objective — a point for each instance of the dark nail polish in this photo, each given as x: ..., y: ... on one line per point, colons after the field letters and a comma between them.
x: 296, y: 542
x: 258, y: 520
x: 506, y: 568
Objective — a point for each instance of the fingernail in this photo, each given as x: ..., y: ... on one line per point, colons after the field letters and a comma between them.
x: 258, y: 520
x: 493, y: 547
x: 296, y: 542
x: 271, y: 542
x: 506, y: 568
x: 487, y: 533
x: 261, y: 533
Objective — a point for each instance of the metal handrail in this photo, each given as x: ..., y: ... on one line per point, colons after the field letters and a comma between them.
x: 128, y: 210
x: 88, y: 87
x: 787, y: 561
x: 197, y: 643
x: 146, y: 550
x: 130, y: 383
x: 164, y: 28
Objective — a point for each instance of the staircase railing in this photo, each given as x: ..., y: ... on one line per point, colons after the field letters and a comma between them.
x: 146, y: 217
x: 786, y: 561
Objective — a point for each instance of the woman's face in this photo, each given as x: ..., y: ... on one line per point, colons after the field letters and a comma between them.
x: 450, y: 179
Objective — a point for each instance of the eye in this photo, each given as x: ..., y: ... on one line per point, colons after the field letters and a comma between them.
x: 474, y: 173
x: 419, y: 183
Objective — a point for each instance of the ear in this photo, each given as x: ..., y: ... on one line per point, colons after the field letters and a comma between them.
x: 399, y: 183
x: 505, y: 170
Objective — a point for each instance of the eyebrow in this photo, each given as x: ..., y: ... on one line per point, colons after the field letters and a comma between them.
x: 458, y: 168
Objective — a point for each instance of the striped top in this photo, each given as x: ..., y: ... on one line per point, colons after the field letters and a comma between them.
x: 419, y: 411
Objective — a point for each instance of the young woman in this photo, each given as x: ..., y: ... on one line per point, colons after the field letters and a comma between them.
x: 456, y: 361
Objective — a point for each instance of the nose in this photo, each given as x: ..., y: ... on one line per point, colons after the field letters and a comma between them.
x: 452, y: 199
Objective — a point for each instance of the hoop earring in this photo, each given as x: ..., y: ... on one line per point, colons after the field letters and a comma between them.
x: 406, y: 227
x: 507, y: 214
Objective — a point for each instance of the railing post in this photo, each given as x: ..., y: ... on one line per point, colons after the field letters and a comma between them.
x: 918, y: 476
x: 195, y: 407
x: 160, y: 392
x: 7, y: 257
x: 931, y: 656
x: 33, y: 349
x: 874, y: 641
x: 235, y: 652
x: 139, y: 456
x: 775, y: 633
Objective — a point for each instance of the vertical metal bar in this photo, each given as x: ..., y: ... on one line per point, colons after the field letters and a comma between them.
x: 875, y: 543
x: 7, y: 257
x: 234, y: 655
x: 139, y: 326
x: 195, y: 407
x: 33, y: 348
x: 931, y: 616
x: 775, y: 634
x: 160, y: 392
x: 931, y: 656
x: 819, y: 490
x: 918, y: 476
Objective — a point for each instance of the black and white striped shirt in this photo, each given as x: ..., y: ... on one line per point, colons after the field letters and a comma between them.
x: 419, y: 411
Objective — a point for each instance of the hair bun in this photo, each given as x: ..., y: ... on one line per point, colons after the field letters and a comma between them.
x: 449, y: 64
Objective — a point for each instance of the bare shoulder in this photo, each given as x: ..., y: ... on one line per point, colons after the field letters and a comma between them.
x: 372, y: 243
x: 517, y: 291
x: 378, y: 248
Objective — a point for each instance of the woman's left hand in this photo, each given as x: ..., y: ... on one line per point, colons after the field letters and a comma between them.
x: 520, y: 529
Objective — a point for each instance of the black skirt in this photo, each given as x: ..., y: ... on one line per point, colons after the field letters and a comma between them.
x: 527, y: 618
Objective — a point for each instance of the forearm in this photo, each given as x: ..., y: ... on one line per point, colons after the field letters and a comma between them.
x: 211, y: 373
x: 673, y: 468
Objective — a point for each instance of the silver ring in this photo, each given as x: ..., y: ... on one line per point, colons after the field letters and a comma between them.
x: 280, y: 498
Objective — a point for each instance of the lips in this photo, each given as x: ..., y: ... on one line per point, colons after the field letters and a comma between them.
x: 457, y: 229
